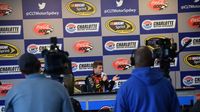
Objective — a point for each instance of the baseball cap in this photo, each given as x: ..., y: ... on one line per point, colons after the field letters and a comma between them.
x: 28, y: 62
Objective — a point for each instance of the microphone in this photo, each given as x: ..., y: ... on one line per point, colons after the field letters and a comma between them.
x: 103, y: 74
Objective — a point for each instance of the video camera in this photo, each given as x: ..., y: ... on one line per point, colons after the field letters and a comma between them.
x: 164, y: 52
x: 56, y: 60
x: 163, y: 48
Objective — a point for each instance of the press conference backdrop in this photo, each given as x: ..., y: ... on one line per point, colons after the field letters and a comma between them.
x: 107, y: 30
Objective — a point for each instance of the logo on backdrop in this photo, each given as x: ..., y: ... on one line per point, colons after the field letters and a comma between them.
x: 43, y: 29
x: 81, y: 8
x: 189, y: 5
x: 82, y: 27
x: 121, y: 64
x: 82, y: 66
x: 196, y: 1
x: 5, y: 9
x: 37, y: 49
x: 120, y: 26
x: 121, y: 45
x: 191, y: 80
x: 194, y: 22
x: 41, y: 5
x: 158, y: 5
x: 83, y: 46
x: 9, y: 69
x: 119, y: 3
x: 10, y: 30
x: 193, y: 60
x: 119, y: 7
x: 159, y: 24
x: 2, y: 108
x: 37, y: 9
x: 118, y: 84
x: 152, y: 40
x: 4, y: 88
x: 195, y: 41
x: 172, y: 64
x: 8, y: 50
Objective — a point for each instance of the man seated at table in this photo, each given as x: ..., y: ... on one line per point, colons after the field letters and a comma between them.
x: 98, y: 81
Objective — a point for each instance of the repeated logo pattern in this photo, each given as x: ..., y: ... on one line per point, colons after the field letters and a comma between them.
x: 107, y: 30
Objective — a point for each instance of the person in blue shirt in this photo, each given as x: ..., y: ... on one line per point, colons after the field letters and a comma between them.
x: 147, y: 90
x: 36, y: 93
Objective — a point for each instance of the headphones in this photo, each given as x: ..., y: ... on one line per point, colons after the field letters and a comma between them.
x: 132, y: 59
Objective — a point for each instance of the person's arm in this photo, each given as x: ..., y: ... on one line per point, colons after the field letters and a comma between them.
x: 90, y: 84
x: 109, y: 85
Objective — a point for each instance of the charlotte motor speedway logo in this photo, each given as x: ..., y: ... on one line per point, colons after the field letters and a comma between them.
x: 38, y: 48
x: 9, y: 69
x: 82, y: 66
x: 10, y: 30
x: 82, y: 27
x: 159, y: 24
x: 194, y: 43
x: 121, y: 45
x: 191, y: 80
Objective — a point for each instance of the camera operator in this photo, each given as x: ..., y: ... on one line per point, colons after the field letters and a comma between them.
x: 36, y: 93
x: 147, y: 89
x: 58, y: 66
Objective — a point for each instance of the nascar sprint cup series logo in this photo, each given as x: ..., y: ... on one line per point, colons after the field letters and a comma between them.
x: 193, y: 60
x: 120, y: 26
x: 82, y: 27
x: 5, y: 9
x: 8, y: 50
x: 121, y: 45
x: 194, y: 22
x: 158, y: 5
x: 159, y: 24
x: 121, y: 64
x: 43, y: 29
x: 81, y: 8
x: 151, y: 41
x: 83, y: 46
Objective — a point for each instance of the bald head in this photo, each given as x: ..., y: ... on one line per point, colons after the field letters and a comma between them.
x: 143, y: 57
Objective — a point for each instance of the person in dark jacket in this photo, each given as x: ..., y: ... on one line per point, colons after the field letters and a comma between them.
x: 147, y: 90
x: 98, y: 81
